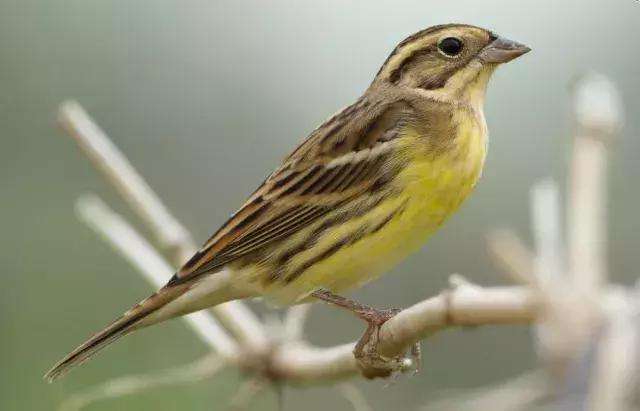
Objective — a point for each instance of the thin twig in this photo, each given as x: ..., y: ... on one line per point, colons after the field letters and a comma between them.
x: 201, y: 369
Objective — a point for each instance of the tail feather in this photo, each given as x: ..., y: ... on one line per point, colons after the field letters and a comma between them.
x: 128, y: 322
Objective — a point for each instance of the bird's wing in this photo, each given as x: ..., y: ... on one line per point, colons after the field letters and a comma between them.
x: 340, y: 160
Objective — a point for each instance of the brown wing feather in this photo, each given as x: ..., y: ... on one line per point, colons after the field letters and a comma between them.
x: 339, y: 161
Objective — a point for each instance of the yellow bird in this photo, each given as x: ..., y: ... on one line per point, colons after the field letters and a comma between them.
x: 363, y: 191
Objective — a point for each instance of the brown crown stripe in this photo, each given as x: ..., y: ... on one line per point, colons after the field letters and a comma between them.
x: 414, y: 37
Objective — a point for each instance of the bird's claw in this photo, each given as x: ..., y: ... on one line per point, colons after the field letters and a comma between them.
x: 371, y: 363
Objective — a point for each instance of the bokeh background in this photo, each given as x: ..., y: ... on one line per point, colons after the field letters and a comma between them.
x: 205, y: 97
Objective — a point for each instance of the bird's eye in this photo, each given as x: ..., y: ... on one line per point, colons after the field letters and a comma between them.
x: 450, y: 46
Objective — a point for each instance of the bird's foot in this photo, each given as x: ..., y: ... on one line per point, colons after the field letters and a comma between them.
x: 371, y: 363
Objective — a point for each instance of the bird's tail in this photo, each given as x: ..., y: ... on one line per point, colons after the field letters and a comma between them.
x: 137, y: 317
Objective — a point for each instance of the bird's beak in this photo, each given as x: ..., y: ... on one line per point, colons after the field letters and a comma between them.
x: 502, y: 50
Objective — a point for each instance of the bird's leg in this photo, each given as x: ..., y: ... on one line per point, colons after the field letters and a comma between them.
x: 370, y: 361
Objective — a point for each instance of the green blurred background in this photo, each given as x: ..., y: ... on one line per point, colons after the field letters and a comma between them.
x: 205, y: 97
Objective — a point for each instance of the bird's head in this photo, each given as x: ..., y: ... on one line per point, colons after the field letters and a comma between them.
x: 447, y: 61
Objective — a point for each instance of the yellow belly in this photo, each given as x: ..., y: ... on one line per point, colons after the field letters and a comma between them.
x: 431, y: 189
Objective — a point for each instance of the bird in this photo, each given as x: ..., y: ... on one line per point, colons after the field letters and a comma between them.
x: 364, y: 190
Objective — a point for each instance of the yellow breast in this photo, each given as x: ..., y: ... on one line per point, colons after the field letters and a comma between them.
x: 437, y: 183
